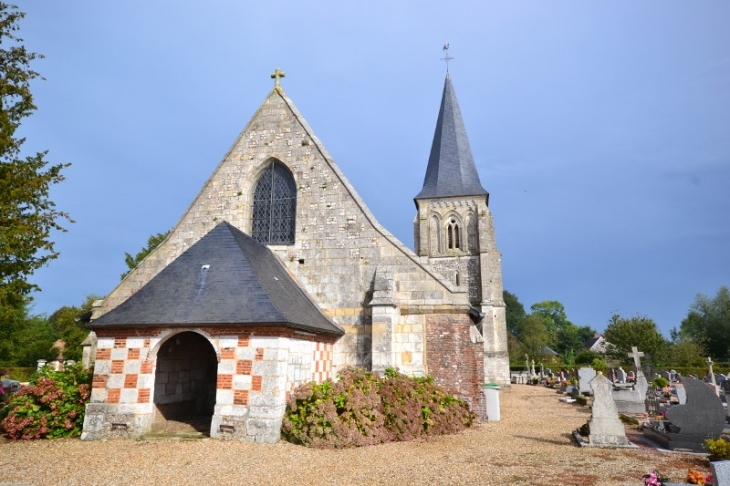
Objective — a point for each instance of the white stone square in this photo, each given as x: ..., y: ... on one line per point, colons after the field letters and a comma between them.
x: 128, y: 395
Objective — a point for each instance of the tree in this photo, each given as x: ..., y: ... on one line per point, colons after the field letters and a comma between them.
x: 708, y: 324
x: 515, y: 311
x: 24, y: 339
x: 66, y: 327
x: 27, y: 215
x: 152, y: 243
x: 533, y: 336
x: 639, y: 331
x: 565, y: 337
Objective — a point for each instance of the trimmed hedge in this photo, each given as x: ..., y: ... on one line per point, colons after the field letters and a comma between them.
x: 361, y: 408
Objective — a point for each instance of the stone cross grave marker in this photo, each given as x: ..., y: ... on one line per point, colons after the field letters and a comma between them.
x: 637, y: 355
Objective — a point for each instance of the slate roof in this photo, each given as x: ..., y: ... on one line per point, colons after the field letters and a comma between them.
x: 226, y: 278
x: 451, y: 170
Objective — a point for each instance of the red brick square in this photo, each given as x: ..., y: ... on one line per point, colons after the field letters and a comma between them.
x: 118, y: 366
x: 225, y: 382
x: 243, y: 367
x: 243, y: 341
x: 259, y: 354
x: 113, y: 395
x: 227, y: 353
x: 120, y: 343
x: 133, y: 353
x: 99, y: 381
x: 256, y: 383
x: 130, y: 381
x: 103, y: 353
x: 240, y: 397
x: 146, y: 367
x: 143, y: 395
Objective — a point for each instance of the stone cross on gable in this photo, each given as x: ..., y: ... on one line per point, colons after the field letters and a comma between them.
x: 709, y: 365
x: 637, y: 355
x: 276, y: 75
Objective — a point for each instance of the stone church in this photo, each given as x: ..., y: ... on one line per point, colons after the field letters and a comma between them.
x: 278, y: 274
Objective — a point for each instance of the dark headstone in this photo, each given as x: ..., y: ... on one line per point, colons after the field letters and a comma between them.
x: 688, y: 426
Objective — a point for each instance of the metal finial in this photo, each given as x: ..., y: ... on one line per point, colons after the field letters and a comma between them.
x: 446, y: 57
x: 278, y: 74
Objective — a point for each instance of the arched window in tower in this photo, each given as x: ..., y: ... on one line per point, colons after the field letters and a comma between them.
x: 435, y: 235
x: 452, y: 234
x: 274, y: 206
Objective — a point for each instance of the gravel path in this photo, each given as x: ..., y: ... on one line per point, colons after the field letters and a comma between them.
x: 531, y: 445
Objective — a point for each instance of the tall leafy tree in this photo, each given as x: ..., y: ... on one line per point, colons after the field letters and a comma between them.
x: 639, y: 331
x: 708, y: 324
x: 66, y: 327
x: 515, y: 312
x: 27, y: 215
x: 152, y: 243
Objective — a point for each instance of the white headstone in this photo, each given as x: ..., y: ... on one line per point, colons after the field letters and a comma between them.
x: 585, y: 375
x: 620, y: 376
x: 681, y: 393
x: 606, y: 429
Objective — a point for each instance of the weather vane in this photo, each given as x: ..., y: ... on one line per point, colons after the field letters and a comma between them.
x: 446, y: 57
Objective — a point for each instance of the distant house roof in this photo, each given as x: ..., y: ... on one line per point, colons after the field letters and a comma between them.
x: 451, y: 170
x: 226, y: 278
x: 597, y: 344
x: 546, y: 351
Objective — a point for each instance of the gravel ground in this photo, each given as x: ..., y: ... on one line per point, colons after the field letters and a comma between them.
x: 531, y: 445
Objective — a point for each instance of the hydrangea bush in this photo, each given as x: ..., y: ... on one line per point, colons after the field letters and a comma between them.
x: 361, y: 408
x: 51, y: 406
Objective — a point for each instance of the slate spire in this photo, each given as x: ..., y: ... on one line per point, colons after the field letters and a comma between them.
x: 451, y: 170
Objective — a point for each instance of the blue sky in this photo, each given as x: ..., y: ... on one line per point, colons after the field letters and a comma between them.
x: 600, y: 129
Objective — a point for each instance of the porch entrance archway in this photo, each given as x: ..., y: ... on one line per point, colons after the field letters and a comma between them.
x: 185, y: 384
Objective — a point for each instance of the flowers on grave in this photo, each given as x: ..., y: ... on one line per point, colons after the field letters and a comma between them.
x: 697, y: 477
x: 654, y: 478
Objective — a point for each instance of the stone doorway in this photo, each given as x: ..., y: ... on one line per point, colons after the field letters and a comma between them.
x: 185, y: 385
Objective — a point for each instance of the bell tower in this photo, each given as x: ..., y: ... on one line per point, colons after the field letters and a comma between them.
x: 454, y: 231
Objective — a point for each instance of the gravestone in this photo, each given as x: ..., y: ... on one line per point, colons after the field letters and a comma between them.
x: 710, y: 373
x: 720, y: 473
x: 668, y: 376
x: 681, y: 393
x: 653, y: 407
x: 726, y: 391
x: 674, y: 376
x: 688, y: 426
x: 606, y: 429
x: 585, y: 375
x: 620, y: 376
x: 632, y: 400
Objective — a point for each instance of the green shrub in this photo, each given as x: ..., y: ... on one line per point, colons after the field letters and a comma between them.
x: 660, y: 382
x: 51, y: 407
x: 719, y: 449
x: 360, y: 408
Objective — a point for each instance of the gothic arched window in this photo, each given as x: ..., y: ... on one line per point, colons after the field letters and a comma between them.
x: 274, y: 206
x: 452, y: 235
